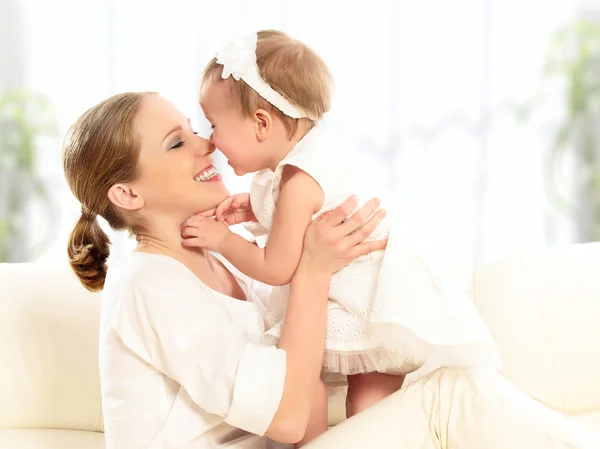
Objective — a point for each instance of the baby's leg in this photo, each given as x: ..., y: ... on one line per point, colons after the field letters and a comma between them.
x: 364, y: 390
x: 318, y: 418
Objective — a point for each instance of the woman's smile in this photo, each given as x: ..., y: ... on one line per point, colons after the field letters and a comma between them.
x: 208, y: 174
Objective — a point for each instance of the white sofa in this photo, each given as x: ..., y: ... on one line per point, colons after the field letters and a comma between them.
x: 543, y: 308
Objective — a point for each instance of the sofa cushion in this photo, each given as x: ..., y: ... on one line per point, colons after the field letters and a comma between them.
x: 49, y: 327
x: 50, y: 439
x: 542, y: 308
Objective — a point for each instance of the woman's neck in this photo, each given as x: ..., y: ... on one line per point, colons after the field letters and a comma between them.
x: 166, y: 241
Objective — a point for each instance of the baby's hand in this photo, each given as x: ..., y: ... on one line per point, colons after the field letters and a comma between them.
x: 203, y: 232
x: 235, y: 209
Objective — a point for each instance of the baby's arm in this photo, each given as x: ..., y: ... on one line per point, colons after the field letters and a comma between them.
x: 300, y: 197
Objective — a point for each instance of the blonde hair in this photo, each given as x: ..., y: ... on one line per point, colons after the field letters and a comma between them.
x: 292, y: 69
x: 100, y: 149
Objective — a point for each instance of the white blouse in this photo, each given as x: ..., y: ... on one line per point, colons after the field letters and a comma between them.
x: 181, y: 365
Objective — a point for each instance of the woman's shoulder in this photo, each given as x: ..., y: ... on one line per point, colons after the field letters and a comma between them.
x: 147, y: 278
x: 147, y: 282
x: 142, y: 269
x: 158, y: 277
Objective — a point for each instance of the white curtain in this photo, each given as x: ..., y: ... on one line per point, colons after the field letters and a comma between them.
x: 424, y: 95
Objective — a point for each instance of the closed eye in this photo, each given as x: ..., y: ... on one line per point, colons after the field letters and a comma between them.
x: 178, y: 143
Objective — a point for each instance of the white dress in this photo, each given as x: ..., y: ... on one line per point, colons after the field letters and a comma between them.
x: 181, y: 365
x: 391, y: 311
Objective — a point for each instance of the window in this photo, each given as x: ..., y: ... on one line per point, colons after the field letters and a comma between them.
x: 425, y: 91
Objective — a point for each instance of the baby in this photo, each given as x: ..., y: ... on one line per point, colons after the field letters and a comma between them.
x: 390, y: 312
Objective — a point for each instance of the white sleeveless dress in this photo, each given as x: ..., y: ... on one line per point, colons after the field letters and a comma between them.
x: 392, y: 311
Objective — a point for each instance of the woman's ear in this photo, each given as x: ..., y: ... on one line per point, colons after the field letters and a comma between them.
x: 263, y: 124
x: 125, y: 197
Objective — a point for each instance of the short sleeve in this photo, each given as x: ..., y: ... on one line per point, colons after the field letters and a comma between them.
x: 189, y: 333
x: 256, y: 233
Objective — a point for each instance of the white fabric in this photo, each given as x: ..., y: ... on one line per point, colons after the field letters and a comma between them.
x: 238, y: 57
x: 455, y: 409
x: 181, y: 364
x: 391, y: 311
x: 542, y: 308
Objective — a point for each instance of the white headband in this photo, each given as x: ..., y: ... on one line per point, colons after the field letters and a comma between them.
x: 238, y: 58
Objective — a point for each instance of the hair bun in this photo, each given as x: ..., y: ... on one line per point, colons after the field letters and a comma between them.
x: 88, y: 250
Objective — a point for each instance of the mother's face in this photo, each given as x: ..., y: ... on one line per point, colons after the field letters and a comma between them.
x: 176, y: 173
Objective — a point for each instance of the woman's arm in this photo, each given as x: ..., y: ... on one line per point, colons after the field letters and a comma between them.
x: 200, y: 344
x: 329, y: 244
x: 299, y: 198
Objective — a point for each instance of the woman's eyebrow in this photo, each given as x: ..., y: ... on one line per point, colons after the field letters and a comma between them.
x: 177, y: 128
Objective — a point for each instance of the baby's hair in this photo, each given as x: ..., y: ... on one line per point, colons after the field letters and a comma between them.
x: 291, y: 68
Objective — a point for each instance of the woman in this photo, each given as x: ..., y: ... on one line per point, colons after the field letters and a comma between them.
x: 181, y: 361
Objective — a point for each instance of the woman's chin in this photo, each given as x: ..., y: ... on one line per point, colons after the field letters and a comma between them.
x: 216, y: 197
x: 208, y: 195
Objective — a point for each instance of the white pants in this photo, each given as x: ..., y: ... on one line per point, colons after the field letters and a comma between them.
x: 457, y: 409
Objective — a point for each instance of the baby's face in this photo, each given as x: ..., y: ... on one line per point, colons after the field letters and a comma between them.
x: 232, y: 133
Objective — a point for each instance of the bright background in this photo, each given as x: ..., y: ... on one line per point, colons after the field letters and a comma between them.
x: 425, y: 91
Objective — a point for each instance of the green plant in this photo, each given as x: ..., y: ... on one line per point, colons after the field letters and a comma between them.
x: 25, y: 117
x: 573, y: 64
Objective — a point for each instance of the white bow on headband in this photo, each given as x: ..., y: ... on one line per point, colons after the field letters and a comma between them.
x: 238, y: 58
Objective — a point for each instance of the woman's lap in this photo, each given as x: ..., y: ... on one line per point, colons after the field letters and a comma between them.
x: 452, y: 408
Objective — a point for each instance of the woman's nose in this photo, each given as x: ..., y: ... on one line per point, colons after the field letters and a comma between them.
x: 204, y: 147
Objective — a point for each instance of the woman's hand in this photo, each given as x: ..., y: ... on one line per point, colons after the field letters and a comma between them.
x: 334, y: 239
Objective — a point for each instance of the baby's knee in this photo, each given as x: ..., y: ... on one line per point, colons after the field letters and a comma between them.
x: 375, y: 381
x: 365, y: 390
